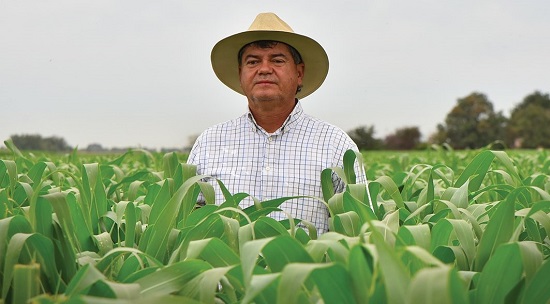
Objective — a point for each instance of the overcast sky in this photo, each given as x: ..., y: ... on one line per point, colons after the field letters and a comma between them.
x: 138, y: 73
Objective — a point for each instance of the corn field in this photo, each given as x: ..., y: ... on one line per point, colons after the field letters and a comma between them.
x: 444, y: 227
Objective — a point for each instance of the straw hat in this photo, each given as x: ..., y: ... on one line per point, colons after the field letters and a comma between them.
x: 268, y: 26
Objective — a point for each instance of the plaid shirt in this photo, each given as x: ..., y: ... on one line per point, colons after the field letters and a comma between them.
x: 266, y: 166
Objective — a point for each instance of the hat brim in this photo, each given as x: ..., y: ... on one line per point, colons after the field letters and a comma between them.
x: 224, y: 58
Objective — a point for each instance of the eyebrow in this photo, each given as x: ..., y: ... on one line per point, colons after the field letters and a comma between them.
x: 271, y: 56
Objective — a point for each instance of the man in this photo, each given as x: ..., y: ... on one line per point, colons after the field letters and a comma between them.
x: 274, y: 150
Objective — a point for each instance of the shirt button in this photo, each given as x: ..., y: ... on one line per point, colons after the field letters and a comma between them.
x: 267, y: 168
x: 270, y: 138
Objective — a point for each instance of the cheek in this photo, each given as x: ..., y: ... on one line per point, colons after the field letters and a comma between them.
x: 245, y: 76
x: 243, y: 79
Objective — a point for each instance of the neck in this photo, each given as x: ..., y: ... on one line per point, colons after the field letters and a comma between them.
x: 271, y: 118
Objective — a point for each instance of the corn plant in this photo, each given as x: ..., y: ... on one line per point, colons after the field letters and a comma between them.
x: 455, y: 228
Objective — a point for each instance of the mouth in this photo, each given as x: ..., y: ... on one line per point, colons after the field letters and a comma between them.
x: 264, y: 82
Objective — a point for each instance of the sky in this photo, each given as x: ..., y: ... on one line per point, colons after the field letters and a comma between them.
x: 137, y: 73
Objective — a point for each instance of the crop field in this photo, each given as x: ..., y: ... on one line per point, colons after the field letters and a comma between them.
x: 444, y: 227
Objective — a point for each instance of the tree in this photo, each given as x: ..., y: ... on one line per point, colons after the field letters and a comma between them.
x: 529, y: 121
x: 406, y: 138
x: 36, y: 142
x: 472, y: 123
x: 363, y: 137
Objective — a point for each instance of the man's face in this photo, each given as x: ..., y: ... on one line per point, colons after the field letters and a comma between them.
x: 270, y: 74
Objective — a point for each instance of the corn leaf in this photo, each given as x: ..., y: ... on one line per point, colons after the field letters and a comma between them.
x: 332, y: 280
x: 498, y: 231
x: 496, y: 281
x: 536, y: 290
x: 172, y: 278
x: 437, y: 285
x: 26, y: 282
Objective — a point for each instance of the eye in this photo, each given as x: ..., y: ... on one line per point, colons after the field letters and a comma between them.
x: 252, y: 62
x: 278, y: 61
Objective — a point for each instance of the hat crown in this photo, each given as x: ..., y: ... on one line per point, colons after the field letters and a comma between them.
x: 269, y: 22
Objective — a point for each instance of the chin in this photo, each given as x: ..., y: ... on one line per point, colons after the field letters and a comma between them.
x: 265, y: 97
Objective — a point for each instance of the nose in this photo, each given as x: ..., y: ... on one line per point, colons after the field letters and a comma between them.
x: 265, y: 67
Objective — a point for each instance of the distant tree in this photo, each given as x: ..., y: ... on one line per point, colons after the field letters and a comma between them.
x: 27, y: 141
x: 363, y: 137
x: 530, y: 121
x: 440, y: 136
x: 95, y: 147
x: 406, y: 138
x: 36, y: 142
x: 55, y: 143
x: 472, y: 123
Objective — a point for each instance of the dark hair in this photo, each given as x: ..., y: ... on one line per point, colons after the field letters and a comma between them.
x: 269, y: 44
x: 264, y: 44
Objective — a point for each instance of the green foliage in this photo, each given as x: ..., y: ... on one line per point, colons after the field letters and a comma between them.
x: 407, y: 138
x: 438, y: 226
x: 528, y: 121
x: 472, y: 123
x: 36, y: 142
x: 363, y: 137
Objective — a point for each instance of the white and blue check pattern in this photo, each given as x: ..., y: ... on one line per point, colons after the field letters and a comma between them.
x: 266, y: 166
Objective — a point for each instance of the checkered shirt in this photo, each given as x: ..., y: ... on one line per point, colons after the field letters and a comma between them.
x: 287, y: 162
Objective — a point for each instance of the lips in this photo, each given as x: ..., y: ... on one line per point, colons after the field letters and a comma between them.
x: 264, y: 82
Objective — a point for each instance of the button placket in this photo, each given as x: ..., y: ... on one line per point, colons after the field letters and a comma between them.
x: 269, y: 154
x: 267, y: 172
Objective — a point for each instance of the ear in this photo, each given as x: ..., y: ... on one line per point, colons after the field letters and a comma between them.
x: 300, y: 68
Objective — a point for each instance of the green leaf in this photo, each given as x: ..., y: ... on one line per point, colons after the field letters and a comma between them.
x: 8, y: 227
x: 460, y: 197
x: 203, y: 286
x: 391, y: 188
x: 83, y: 279
x: 160, y: 229
x: 213, y: 251
x: 394, y: 273
x: 536, y: 289
x: 130, y: 225
x: 43, y: 247
x: 283, y: 250
x: 448, y: 231
x: 509, y: 165
x: 476, y: 171
x: 332, y: 280
x: 261, y: 285
x: 496, y: 281
x: 350, y: 156
x: 347, y: 223
x: 172, y: 278
x: 8, y: 174
x: 414, y: 235
x: 361, y: 272
x: 93, y: 195
x: 498, y: 231
x: 71, y: 220
x: 437, y: 285
x: 211, y: 226
x: 531, y: 257
x: 26, y: 282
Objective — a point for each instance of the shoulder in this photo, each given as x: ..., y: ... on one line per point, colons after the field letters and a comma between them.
x: 216, y: 135
x: 223, y: 128
x: 326, y: 130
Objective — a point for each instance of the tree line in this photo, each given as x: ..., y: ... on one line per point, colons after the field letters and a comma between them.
x: 473, y: 123
x: 38, y: 143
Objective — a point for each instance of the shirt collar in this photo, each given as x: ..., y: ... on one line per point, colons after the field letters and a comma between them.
x: 289, y: 123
